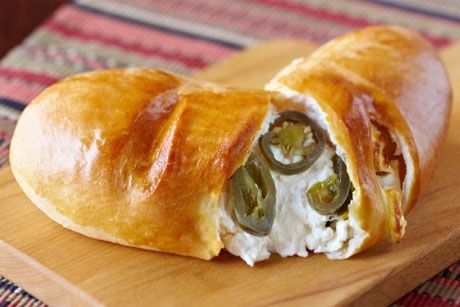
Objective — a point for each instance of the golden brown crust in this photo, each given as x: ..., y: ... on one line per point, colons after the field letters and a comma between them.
x: 136, y: 156
x: 394, y: 77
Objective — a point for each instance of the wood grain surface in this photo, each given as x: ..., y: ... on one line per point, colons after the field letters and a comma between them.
x: 63, y: 267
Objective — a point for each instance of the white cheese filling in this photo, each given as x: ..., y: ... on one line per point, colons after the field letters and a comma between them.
x: 297, y: 227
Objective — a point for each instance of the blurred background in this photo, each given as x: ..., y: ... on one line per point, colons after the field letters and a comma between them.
x: 82, y: 36
x: 185, y: 36
x: 19, y: 17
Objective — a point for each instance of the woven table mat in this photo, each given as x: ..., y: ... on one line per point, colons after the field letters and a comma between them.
x: 185, y: 36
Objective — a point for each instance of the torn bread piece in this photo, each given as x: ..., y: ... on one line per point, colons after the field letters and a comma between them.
x: 369, y: 92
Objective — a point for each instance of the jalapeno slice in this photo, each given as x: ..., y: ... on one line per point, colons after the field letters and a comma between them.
x: 328, y: 196
x: 254, y: 197
x: 290, y: 133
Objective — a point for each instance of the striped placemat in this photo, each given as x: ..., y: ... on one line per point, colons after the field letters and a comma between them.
x: 185, y: 36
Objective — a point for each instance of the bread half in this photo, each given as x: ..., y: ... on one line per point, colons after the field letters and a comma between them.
x: 136, y: 156
x: 367, y: 84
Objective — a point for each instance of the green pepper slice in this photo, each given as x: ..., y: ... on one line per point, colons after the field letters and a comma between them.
x: 289, y: 132
x: 328, y: 196
x: 254, y: 197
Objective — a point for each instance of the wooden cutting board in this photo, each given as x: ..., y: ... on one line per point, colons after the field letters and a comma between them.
x: 63, y: 267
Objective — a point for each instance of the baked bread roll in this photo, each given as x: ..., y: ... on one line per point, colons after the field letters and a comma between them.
x: 327, y: 160
x: 136, y: 156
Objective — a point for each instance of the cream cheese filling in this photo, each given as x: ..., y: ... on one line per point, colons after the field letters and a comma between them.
x: 297, y: 228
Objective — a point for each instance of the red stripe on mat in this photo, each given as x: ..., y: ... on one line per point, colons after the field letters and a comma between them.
x: 446, y: 281
x: 438, y: 42
x: 4, y: 295
x: 15, y: 300
x: 374, y: 5
x: 340, y: 18
x: 455, y: 268
x: 4, y: 153
x: 60, y: 55
x: 28, y: 76
x: 191, y: 62
x: 88, y: 22
x: 242, y: 21
x: 5, y: 135
x: 422, y: 299
x: 18, y: 90
x: 315, y: 12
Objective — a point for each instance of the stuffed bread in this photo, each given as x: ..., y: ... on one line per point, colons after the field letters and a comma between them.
x: 328, y: 160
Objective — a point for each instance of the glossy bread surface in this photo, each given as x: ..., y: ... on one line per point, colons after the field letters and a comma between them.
x: 136, y: 156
